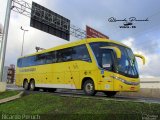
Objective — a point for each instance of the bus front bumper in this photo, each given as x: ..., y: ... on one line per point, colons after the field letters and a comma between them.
x: 122, y: 87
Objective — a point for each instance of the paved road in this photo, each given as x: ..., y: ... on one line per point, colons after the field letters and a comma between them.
x: 79, y: 93
x: 13, y: 87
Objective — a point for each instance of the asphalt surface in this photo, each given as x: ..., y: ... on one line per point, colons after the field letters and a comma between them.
x: 79, y: 93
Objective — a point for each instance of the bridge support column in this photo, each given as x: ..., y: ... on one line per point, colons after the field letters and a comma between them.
x: 2, y: 86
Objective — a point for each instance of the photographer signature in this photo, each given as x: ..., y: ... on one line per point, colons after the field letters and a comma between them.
x: 127, y: 22
x: 131, y: 19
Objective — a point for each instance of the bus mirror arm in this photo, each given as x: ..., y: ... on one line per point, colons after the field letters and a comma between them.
x: 115, y: 49
x: 140, y: 56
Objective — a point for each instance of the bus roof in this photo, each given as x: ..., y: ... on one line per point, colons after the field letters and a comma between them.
x: 78, y: 42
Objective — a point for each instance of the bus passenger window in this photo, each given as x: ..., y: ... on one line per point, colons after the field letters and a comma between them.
x: 49, y: 58
x: 40, y: 59
x: 67, y: 54
x: 81, y: 53
x: 19, y: 63
x: 25, y: 62
x: 64, y: 55
x: 60, y: 56
x: 31, y: 60
x: 54, y: 59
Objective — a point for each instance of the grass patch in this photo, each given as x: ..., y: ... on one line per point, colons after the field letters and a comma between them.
x: 48, y: 104
x: 8, y: 94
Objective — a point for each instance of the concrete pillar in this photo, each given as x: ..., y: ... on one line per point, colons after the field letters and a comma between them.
x: 2, y: 86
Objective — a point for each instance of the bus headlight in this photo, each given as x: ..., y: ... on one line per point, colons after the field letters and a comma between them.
x: 125, y: 81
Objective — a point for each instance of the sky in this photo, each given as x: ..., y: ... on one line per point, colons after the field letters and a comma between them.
x: 144, y: 39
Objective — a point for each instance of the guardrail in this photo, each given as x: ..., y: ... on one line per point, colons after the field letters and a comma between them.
x: 150, y: 83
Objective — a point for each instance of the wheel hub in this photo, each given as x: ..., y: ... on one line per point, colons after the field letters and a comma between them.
x: 31, y: 86
x: 89, y: 87
x: 26, y: 85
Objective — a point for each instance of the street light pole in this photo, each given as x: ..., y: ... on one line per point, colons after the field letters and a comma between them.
x: 4, y: 38
x: 23, y: 39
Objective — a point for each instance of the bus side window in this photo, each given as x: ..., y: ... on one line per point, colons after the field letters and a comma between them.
x: 25, y: 62
x: 67, y: 54
x: 54, y: 58
x: 31, y: 60
x: 59, y: 56
x: 49, y: 57
x: 64, y: 55
x: 40, y: 59
x: 19, y: 63
x: 81, y: 53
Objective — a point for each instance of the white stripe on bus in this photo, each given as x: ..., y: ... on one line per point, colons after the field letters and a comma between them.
x: 68, y: 86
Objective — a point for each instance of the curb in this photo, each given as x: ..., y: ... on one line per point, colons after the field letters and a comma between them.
x: 143, y: 92
x: 11, y: 98
x: 2, y: 86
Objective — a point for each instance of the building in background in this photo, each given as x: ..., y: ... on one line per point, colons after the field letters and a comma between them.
x: 92, y: 33
x: 9, y: 74
x: 5, y: 73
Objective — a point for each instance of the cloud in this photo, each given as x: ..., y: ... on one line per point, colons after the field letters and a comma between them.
x: 151, y: 68
x: 129, y: 41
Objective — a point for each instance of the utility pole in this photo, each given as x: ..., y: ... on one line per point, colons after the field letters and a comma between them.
x: 4, y: 38
x: 23, y: 39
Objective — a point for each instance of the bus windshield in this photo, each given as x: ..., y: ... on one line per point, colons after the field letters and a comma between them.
x: 126, y: 65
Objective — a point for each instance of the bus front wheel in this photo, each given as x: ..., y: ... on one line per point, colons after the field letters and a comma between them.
x: 89, y: 88
x: 110, y: 93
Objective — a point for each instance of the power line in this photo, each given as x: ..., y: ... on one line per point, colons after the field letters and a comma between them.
x: 25, y: 9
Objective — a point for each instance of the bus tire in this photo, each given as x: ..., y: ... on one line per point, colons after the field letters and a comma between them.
x: 25, y: 85
x: 32, y: 85
x: 89, y: 88
x: 110, y: 93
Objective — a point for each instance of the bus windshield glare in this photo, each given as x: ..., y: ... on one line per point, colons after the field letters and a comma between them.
x: 126, y: 65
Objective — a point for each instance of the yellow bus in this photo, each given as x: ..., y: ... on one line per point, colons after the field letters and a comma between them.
x: 91, y: 65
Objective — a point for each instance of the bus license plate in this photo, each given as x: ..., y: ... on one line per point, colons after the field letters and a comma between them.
x: 132, y: 88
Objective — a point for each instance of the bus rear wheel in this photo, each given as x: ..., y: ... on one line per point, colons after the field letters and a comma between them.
x: 25, y: 85
x: 32, y: 85
x: 89, y: 88
x: 110, y: 93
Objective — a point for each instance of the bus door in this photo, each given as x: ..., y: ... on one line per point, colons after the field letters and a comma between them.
x: 108, y: 66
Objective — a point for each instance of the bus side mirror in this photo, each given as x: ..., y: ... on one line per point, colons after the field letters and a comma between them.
x: 140, y: 56
x: 115, y: 49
